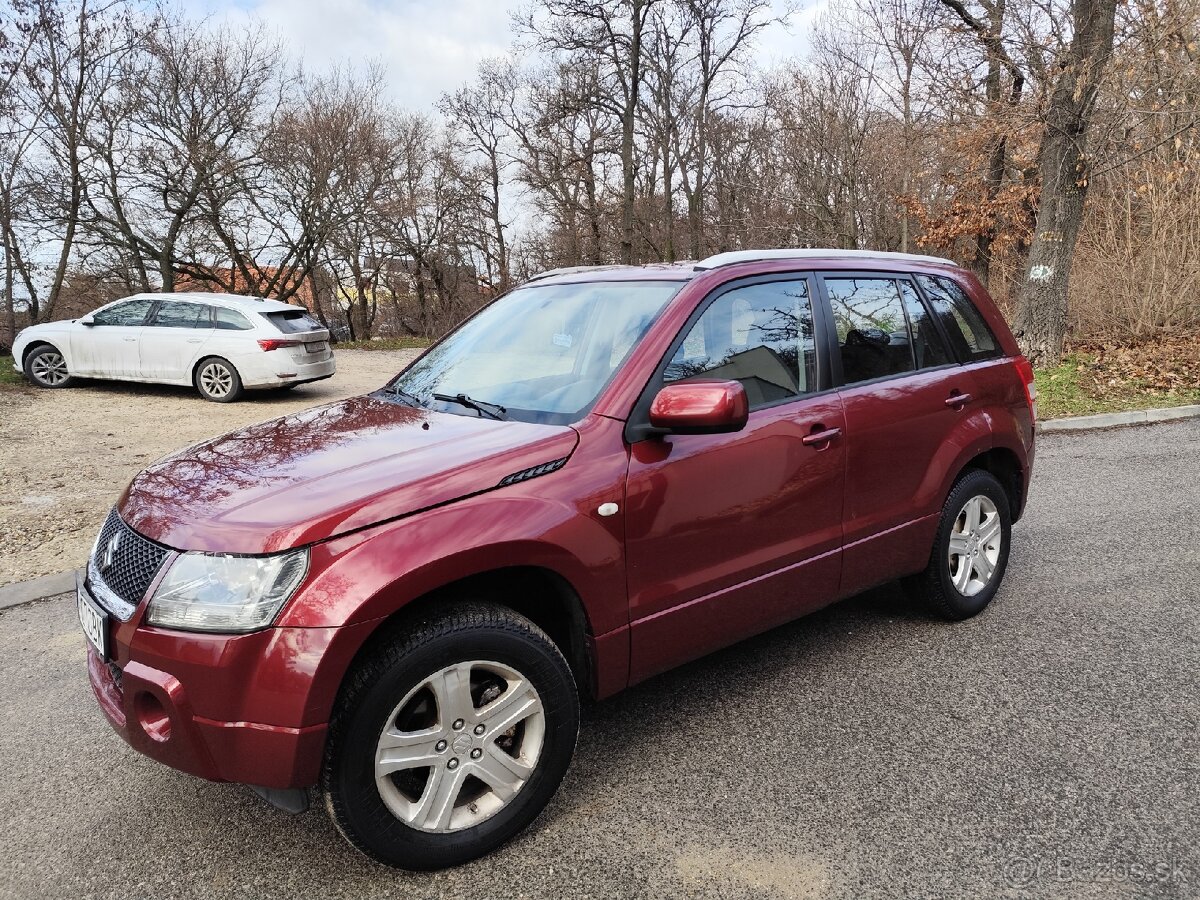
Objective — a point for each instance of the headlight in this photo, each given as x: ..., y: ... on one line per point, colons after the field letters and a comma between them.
x: 233, y: 594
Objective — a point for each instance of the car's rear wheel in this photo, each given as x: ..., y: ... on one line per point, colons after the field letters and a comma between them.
x: 46, y: 367
x: 970, y: 551
x: 450, y: 739
x: 217, y: 380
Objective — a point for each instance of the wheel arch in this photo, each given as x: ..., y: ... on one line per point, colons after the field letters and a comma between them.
x: 538, y: 593
x: 40, y: 342
x: 1004, y: 464
x: 205, y: 357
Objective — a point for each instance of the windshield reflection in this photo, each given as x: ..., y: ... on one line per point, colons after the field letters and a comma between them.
x: 542, y: 353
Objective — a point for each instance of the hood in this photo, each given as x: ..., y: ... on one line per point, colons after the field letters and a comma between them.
x: 326, y: 471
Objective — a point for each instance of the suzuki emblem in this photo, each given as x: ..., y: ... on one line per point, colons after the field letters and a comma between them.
x: 110, y: 551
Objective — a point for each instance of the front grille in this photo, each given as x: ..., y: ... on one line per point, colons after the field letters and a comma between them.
x: 132, y: 563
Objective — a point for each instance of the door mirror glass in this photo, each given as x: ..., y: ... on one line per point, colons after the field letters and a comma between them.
x: 700, y: 407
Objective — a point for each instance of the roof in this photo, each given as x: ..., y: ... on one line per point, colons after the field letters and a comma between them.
x: 684, y: 271
x: 233, y: 301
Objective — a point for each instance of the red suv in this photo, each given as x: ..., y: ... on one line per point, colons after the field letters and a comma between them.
x: 400, y: 598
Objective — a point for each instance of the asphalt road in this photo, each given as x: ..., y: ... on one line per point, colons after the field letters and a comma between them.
x: 1048, y: 748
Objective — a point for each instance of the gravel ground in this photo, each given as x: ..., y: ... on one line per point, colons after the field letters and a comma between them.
x: 66, y: 455
x: 1048, y: 748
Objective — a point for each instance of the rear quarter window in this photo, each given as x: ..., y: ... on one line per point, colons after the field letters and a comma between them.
x: 230, y: 320
x: 968, y: 331
x: 292, y: 321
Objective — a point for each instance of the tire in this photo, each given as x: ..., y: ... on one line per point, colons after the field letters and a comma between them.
x: 217, y: 380
x: 953, y: 585
x: 46, y: 367
x: 393, y: 816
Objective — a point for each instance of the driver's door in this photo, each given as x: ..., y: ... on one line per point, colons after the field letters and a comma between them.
x: 109, y: 346
x: 728, y: 535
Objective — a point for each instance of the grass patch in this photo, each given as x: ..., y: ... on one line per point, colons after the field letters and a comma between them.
x: 402, y: 343
x: 1088, y: 383
x: 8, y: 375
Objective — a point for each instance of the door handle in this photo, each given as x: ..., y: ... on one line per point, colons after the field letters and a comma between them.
x: 958, y: 401
x: 129, y: 339
x: 193, y: 340
x: 820, y: 437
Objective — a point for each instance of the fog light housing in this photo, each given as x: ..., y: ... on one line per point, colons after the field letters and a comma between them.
x: 152, y: 717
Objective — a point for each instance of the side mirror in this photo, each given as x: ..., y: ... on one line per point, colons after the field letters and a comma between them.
x: 88, y: 321
x: 700, y: 407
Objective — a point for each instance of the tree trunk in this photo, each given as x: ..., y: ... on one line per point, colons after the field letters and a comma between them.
x: 1064, y: 163
x: 10, y: 312
x: 637, y: 22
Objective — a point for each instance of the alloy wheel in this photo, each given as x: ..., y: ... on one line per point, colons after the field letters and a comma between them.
x: 975, y: 543
x: 459, y: 746
x: 216, y: 380
x: 49, y: 368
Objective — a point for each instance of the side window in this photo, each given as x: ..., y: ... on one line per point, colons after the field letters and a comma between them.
x: 173, y: 314
x: 132, y: 312
x: 966, y: 327
x: 872, y: 331
x: 928, y: 346
x: 760, y: 335
x: 230, y: 320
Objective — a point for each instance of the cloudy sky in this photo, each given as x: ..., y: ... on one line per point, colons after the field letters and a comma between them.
x: 428, y: 46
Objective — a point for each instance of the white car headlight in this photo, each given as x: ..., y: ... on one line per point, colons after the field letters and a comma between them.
x: 232, y: 594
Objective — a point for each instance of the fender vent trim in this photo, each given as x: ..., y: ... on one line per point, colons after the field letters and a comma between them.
x: 533, y: 472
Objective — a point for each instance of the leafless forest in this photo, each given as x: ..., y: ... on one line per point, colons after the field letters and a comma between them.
x: 1028, y: 139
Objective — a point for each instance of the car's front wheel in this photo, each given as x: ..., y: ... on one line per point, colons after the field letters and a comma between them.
x: 46, y: 367
x: 970, y: 551
x: 217, y: 380
x: 450, y: 739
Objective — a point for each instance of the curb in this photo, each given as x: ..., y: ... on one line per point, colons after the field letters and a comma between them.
x: 1111, y: 420
x: 22, y: 592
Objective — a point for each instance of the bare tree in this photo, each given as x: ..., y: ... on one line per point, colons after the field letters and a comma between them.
x: 1065, y: 165
x: 73, y: 61
x: 612, y: 32
x: 177, y: 128
x: 987, y: 25
x: 724, y: 31
x: 476, y: 112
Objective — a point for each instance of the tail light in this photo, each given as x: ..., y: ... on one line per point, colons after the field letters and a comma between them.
x: 1025, y: 368
x: 270, y: 344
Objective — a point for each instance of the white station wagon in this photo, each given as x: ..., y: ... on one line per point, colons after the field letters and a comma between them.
x: 220, y: 343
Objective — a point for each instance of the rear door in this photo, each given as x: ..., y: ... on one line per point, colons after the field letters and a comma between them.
x: 173, y: 339
x: 108, y: 348
x: 730, y: 534
x: 905, y: 398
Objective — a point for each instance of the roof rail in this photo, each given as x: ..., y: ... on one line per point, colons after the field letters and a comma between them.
x: 740, y: 256
x: 569, y: 270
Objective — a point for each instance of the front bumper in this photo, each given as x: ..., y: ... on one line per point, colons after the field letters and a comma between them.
x: 249, y: 708
x: 152, y: 712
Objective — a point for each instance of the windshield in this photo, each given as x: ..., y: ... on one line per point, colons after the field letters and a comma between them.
x: 542, y: 353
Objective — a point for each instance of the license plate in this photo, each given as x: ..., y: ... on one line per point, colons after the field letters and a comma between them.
x: 94, y: 622
x: 314, y: 346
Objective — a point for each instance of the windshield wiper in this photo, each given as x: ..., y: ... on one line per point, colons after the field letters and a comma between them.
x: 410, y: 399
x: 491, y: 410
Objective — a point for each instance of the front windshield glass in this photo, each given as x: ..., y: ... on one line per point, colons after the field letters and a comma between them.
x: 542, y: 353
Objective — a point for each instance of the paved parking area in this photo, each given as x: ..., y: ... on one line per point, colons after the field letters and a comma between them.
x: 1048, y: 748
